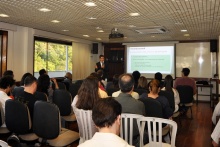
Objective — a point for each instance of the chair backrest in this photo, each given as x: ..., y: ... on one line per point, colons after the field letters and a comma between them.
x: 85, y: 124
x: 61, y: 85
x: 2, y: 117
x: 40, y: 96
x: 17, y: 117
x: 111, y: 90
x: 153, y: 108
x: 3, y: 143
x: 46, y: 121
x: 63, y: 100
x: 185, y: 93
x: 17, y: 92
x: 73, y: 89
x: 154, y: 134
x: 127, y: 126
x: 170, y: 98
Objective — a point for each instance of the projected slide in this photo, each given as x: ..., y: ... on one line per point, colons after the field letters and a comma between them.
x: 151, y: 59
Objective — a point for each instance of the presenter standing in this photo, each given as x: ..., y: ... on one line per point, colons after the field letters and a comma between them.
x: 102, y: 65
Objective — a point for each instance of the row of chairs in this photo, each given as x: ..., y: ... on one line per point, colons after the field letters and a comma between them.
x: 46, y: 123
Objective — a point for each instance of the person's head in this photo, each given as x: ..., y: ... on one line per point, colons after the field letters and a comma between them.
x: 154, y: 86
x: 98, y: 76
x: 136, y: 74
x: 68, y: 75
x: 42, y: 72
x: 6, y: 83
x: 168, y: 83
x: 23, y: 77
x: 100, y: 73
x: 126, y: 83
x: 142, y: 82
x: 8, y: 73
x: 88, y: 93
x: 106, y: 113
x: 101, y: 58
x: 185, y: 72
x: 158, y: 76
x: 43, y: 83
x: 115, y: 80
x: 30, y: 84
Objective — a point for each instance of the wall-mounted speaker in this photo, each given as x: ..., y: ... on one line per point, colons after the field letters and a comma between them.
x: 213, y: 45
x: 95, y: 48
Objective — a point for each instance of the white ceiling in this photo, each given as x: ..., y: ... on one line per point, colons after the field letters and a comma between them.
x: 201, y: 18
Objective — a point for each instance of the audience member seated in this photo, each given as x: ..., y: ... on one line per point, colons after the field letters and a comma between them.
x: 27, y: 96
x: 159, y: 77
x: 68, y: 78
x: 87, y: 96
x: 136, y: 74
x: 128, y: 103
x: 216, y: 135
x: 8, y: 73
x: 168, y: 86
x: 133, y: 93
x: 23, y: 78
x: 6, y: 84
x: 106, y: 115
x: 216, y: 113
x: 142, y: 83
x: 114, y: 83
x: 42, y: 72
x: 45, y: 85
x: 100, y: 74
x: 154, y: 90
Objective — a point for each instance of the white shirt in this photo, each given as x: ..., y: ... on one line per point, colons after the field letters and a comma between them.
x: 3, y: 98
x: 216, y: 133
x: 176, y: 98
x: 216, y: 113
x: 133, y: 94
x: 105, y: 140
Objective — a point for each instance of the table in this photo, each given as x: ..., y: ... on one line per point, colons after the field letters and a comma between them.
x: 203, y: 86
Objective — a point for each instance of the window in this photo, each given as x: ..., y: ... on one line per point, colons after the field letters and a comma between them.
x: 54, y: 56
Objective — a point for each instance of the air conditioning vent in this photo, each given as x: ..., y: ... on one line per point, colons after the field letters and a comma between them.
x: 152, y: 30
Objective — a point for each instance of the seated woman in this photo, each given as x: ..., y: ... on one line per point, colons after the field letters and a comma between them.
x: 168, y: 86
x: 154, y: 90
x: 142, y: 83
x: 45, y: 85
x: 87, y: 96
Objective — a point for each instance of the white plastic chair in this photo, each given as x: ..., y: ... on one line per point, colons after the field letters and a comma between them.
x: 154, y: 125
x: 127, y: 129
x: 85, y: 124
x: 3, y: 144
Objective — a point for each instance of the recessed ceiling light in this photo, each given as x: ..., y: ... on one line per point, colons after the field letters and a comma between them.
x: 134, y: 14
x: 100, y: 31
x: 98, y: 28
x: 90, y: 4
x: 183, y: 30
x: 152, y: 36
x: 44, y: 10
x: 65, y: 30
x: 131, y: 26
x: 186, y: 35
x: 55, y: 21
x: 91, y: 18
x: 3, y: 15
x: 178, y: 23
x: 98, y: 39
x: 86, y: 35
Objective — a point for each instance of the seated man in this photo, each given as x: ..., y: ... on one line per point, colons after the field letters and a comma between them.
x: 106, y: 115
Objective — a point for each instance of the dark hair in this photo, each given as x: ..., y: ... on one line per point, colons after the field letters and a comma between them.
x: 8, y: 73
x: 142, y: 82
x: 136, y: 74
x: 115, y: 80
x: 6, y: 81
x: 43, y: 83
x: 88, y: 93
x: 158, y: 76
x: 126, y: 82
x: 100, y: 73
x: 29, y: 80
x: 185, y: 71
x: 154, y: 86
x: 105, y: 112
x: 168, y: 83
x: 100, y: 56
x: 95, y: 74
x: 23, y: 77
x: 42, y: 71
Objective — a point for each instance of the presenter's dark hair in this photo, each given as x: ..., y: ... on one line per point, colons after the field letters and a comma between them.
x: 185, y: 71
x: 6, y: 81
x: 23, y: 77
x: 126, y: 82
x: 42, y: 71
x: 100, y: 56
x: 29, y: 80
x: 158, y: 76
x: 105, y: 112
x: 136, y: 74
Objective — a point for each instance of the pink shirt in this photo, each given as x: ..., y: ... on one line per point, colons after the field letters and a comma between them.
x: 186, y: 81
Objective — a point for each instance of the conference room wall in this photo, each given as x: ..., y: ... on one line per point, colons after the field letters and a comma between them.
x: 20, y: 53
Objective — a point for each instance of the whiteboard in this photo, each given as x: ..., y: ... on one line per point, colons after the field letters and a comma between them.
x: 195, y: 56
